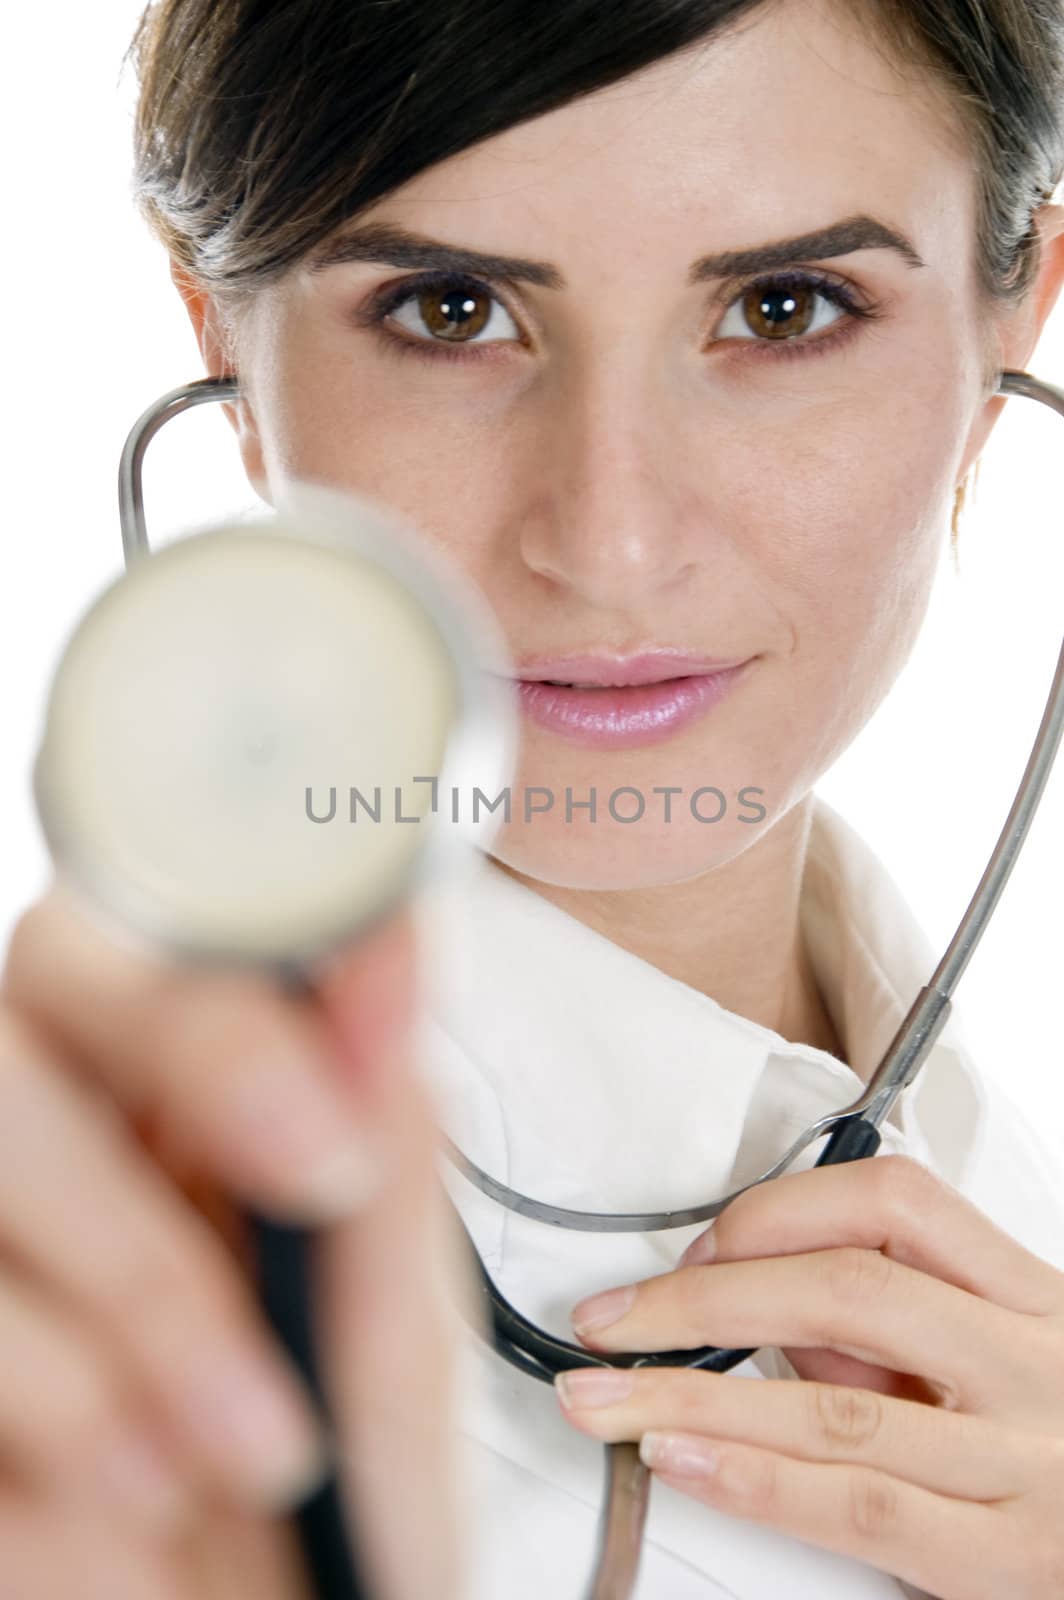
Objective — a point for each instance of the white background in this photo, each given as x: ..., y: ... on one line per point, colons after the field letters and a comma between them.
x: 94, y: 332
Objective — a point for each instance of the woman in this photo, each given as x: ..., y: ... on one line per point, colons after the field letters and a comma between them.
x: 735, y: 281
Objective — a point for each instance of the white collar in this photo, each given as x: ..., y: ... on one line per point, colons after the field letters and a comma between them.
x: 565, y: 1065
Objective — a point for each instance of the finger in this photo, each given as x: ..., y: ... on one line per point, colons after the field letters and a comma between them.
x: 51, y: 1552
x: 948, y: 1452
x: 892, y: 1204
x: 149, y: 1278
x: 827, y: 1366
x: 65, y: 1427
x: 858, y: 1302
x: 923, y: 1538
x: 232, y: 1554
x: 236, y: 1075
x: 369, y: 994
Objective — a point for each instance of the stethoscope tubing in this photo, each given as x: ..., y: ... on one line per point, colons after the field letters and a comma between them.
x: 284, y: 1254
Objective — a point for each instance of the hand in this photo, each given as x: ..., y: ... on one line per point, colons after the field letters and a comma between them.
x: 929, y: 1439
x: 152, y: 1431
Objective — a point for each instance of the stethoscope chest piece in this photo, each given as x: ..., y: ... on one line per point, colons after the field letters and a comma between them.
x: 258, y: 739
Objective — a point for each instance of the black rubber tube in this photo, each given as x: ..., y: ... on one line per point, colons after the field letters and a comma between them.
x: 284, y: 1262
x: 284, y: 1258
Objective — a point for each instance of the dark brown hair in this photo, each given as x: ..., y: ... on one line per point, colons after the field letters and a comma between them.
x: 262, y: 125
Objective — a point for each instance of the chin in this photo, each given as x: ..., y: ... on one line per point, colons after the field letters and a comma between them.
x: 607, y: 855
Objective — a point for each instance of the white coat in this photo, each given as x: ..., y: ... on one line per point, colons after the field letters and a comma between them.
x: 580, y: 1074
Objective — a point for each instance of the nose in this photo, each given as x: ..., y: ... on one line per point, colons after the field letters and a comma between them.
x: 611, y: 513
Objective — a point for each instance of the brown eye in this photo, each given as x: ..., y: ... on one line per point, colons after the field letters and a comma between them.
x: 451, y: 313
x: 779, y: 312
x: 454, y: 313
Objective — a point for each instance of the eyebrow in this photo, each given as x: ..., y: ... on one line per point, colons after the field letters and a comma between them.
x: 388, y: 244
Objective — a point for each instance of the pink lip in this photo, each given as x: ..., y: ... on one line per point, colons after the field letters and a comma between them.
x: 620, y: 718
x: 650, y: 666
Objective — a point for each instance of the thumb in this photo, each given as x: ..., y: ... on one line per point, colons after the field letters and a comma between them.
x: 387, y: 1285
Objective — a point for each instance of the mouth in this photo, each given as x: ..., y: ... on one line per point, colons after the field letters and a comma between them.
x: 598, y: 688
x: 638, y: 706
x: 594, y: 673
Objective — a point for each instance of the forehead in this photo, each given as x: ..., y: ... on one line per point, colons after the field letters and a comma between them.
x: 791, y: 119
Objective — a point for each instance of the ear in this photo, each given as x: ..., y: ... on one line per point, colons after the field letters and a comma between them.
x: 216, y: 346
x: 1015, y: 331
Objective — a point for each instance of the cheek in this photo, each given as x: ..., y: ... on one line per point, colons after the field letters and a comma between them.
x: 329, y: 417
x: 844, y: 536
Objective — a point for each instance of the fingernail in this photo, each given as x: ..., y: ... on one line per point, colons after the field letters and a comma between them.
x: 342, y: 1181
x: 599, y: 1310
x: 679, y: 1455
x: 303, y: 1127
x: 700, y: 1250
x: 132, y: 1469
x: 261, y: 1437
x: 594, y: 1386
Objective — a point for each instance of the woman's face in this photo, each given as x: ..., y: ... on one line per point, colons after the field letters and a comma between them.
x: 624, y: 459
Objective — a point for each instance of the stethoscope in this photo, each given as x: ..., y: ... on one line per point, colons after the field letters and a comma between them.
x: 213, y: 616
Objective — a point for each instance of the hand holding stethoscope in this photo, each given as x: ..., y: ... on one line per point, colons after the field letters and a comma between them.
x: 207, y: 899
